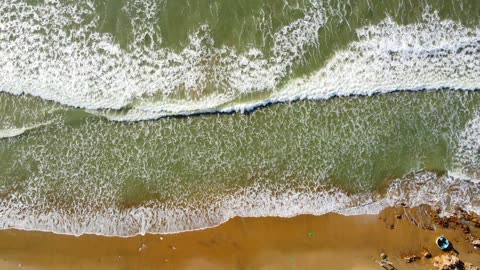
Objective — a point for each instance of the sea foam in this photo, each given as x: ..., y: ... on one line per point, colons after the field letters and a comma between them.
x: 83, y: 68
x: 444, y: 192
x: 432, y: 54
x: 53, y: 50
x: 467, y: 157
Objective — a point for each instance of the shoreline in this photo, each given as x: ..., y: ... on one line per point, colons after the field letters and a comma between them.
x: 330, y: 241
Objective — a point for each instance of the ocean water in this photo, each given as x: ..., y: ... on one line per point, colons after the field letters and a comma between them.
x: 129, y: 117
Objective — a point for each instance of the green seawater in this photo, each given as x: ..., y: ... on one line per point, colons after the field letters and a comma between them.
x: 67, y: 167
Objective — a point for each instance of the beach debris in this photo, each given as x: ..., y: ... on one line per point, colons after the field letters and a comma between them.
x: 469, y: 237
x: 411, y: 258
x: 448, y: 262
x: 476, y: 223
x: 426, y: 253
x: 475, y: 220
x: 459, y: 217
x: 310, y: 234
x: 385, y: 264
x: 398, y: 217
x: 476, y: 243
x: 292, y: 259
x: 469, y: 266
x: 142, y: 247
x: 161, y: 238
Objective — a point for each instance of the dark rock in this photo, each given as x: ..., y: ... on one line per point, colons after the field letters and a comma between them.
x: 426, y: 253
x: 476, y: 222
x: 476, y: 243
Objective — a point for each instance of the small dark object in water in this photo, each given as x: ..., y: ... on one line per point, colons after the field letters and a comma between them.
x: 443, y: 243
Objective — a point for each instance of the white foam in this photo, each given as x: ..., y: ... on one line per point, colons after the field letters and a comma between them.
x: 258, y: 200
x: 60, y: 66
x: 467, y: 158
x: 23, y: 213
x: 83, y: 68
x: 14, y: 132
x: 445, y: 192
x: 432, y: 54
x: 9, y: 133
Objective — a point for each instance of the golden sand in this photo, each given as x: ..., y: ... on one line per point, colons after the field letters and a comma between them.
x: 330, y: 241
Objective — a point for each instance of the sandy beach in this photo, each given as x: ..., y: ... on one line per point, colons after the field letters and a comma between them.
x: 330, y: 241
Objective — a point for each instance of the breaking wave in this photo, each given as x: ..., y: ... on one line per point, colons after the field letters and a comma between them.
x: 431, y: 55
x: 54, y: 50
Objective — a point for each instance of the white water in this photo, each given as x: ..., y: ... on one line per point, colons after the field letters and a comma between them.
x: 430, y: 55
x: 25, y: 212
x: 93, y: 72
x: 14, y: 131
x: 467, y: 157
x: 83, y: 68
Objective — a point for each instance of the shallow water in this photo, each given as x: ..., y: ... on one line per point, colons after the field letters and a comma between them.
x: 255, y: 109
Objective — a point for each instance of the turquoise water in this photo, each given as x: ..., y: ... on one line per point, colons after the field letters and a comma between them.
x: 126, y: 117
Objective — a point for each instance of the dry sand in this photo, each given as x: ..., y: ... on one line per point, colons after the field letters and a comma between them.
x: 330, y: 241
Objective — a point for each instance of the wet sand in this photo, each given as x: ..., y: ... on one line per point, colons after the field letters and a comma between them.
x: 330, y: 241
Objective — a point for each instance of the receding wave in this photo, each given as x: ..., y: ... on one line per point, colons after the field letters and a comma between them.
x: 445, y: 192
